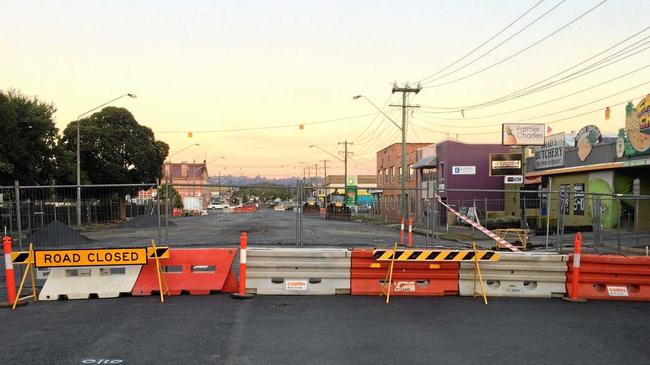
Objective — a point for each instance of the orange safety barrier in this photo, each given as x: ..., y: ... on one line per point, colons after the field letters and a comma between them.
x: 197, y: 271
x: 611, y: 277
x: 245, y: 209
x: 409, y: 278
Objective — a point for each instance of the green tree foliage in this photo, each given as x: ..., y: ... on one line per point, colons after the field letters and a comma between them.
x: 177, y: 201
x: 28, y: 147
x: 115, y: 149
x: 265, y: 193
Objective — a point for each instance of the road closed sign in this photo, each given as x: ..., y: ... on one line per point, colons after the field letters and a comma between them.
x: 91, y: 257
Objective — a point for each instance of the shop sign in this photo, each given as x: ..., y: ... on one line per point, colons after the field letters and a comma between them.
x: 502, y: 164
x: 463, y: 170
x: 552, y: 153
x: 579, y: 199
x: 585, y: 140
x: 636, y: 134
x: 522, y: 134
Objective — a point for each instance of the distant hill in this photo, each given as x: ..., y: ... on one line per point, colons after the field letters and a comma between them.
x: 257, y: 180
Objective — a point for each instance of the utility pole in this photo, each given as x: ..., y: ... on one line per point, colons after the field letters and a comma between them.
x: 325, y: 169
x: 405, y: 91
x: 345, y: 163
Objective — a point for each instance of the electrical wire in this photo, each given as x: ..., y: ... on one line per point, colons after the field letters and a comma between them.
x: 293, y: 125
x: 527, y: 90
x: 547, y: 101
x: 520, y: 51
x: 547, y: 123
x: 495, y: 47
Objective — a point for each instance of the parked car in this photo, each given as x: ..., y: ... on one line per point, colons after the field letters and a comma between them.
x: 220, y: 205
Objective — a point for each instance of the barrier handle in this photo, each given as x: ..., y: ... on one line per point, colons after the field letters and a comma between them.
x: 575, y: 278
x: 401, y: 233
x: 410, y: 238
x: 9, y: 270
x: 243, y: 245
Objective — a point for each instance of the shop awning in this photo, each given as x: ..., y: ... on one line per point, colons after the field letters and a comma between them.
x: 430, y: 161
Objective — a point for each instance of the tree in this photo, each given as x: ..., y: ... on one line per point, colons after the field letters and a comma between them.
x: 176, y: 202
x: 115, y: 149
x: 27, y: 151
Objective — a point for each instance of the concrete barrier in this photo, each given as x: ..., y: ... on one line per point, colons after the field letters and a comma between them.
x: 517, y: 275
x: 298, y: 271
x: 84, y: 282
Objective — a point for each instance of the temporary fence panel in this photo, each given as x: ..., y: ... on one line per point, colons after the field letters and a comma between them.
x: 516, y: 275
x: 298, y: 271
x: 198, y: 271
x: 85, y: 282
x: 413, y: 278
x: 612, y: 277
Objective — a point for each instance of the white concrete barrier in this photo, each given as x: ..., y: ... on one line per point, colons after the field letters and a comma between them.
x: 517, y: 275
x: 298, y: 271
x: 84, y: 282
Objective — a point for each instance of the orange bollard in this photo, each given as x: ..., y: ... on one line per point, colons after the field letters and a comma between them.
x: 9, y: 270
x: 575, y: 277
x: 401, y: 233
x: 243, y: 245
x: 410, y: 238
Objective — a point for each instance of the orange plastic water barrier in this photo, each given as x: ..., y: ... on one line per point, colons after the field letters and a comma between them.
x: 611, y: 277
x: 245, y: 209
x: 409, y: 278
x: 197, y: 271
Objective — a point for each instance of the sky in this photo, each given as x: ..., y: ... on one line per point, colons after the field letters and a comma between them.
x: 231, y: 72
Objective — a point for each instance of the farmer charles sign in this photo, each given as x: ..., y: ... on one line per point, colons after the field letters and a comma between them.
x: 552, y: 154
x: 91, y: 257
x: 520, y: 134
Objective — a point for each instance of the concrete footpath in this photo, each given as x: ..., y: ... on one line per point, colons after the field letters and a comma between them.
x: 325, y: 330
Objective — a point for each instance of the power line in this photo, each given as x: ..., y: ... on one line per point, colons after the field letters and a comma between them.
x: 373, y: 119
x: 549, y: 122
x: 547, y: 101
x: 520, y: 51
x: 561, y: 111
x: 293, y: 125
x: 527, y: 90
x: 493, y: 48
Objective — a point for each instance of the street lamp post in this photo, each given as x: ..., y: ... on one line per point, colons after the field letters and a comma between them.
x: 79, y: 154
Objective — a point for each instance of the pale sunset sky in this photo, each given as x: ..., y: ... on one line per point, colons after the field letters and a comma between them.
x: 213, y: 66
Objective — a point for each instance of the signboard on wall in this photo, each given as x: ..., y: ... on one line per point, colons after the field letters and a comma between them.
x: 502, y: 164
x: 579, y: 199
x: 552, y: 153
x: 463, y: 170
x: 522, y: 134
x: 513, y: 179
x: 586, y: 138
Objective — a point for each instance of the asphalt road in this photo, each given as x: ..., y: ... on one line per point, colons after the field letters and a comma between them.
x: 325, y: 330
x: 264, y: 227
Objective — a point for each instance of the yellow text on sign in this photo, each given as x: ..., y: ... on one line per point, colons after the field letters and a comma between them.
x: 91, y: 257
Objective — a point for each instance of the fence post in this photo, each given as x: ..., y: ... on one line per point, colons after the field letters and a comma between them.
x: 548, y: 214
x: 158, y: 209
x: 618, y: 226
x: 18, y: 218
x: 167, y: 202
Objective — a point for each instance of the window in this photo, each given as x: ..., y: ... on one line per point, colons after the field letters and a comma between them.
x: 411, y: 172
x: 442, y: 172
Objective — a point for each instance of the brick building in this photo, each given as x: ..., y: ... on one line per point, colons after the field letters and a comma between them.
x: 389, y: 172
x: 189, y: 179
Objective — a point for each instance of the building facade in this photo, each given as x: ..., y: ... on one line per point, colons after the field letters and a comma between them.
x: 389, y: 175
x: 190, y: 179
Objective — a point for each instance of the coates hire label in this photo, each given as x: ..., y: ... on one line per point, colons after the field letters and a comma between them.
x: 300, y: 285
x: 518, y: 134
x: 552, y: 154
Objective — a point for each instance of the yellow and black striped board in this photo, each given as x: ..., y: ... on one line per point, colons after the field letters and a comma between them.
x: 163, y: 252
x: 21, y: 257
x: 435, y: 255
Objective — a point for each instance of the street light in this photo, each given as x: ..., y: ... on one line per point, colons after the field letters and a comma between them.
x: 402, y: 129
x: 79, y: 156
x: 183, y: 149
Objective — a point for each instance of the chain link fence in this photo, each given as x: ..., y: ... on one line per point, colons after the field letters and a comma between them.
x: 310, y: 215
